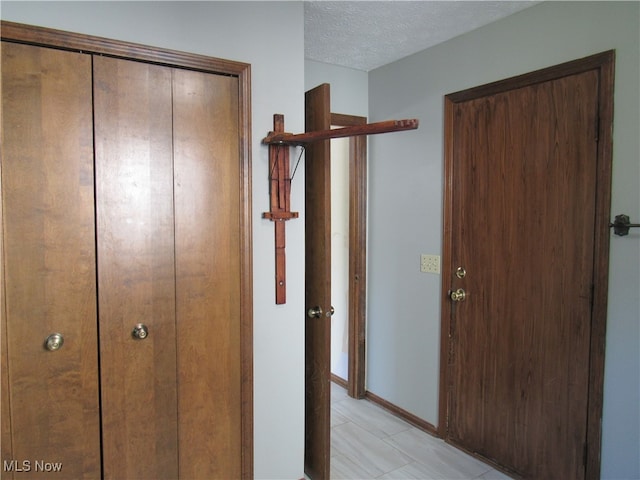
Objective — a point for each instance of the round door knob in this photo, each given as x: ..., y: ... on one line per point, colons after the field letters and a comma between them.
x: 54, y: 342
x: 331, y: 312
x: 140, y: 331
x: 458, y: 295
x: 315, y: 312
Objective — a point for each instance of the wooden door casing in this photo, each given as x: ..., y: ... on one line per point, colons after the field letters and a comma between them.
x: 48, y: 226
x: 357, y: 268
x: 529, y: 162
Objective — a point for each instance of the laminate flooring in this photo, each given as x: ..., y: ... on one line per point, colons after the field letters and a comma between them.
x: 368, y: 442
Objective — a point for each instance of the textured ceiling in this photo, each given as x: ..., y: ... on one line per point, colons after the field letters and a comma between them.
x: 368, y: 34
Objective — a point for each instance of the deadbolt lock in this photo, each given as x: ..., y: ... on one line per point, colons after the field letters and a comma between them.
x: 460, y: 272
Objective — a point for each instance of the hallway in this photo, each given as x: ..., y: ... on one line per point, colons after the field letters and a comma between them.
x: 368, y: 442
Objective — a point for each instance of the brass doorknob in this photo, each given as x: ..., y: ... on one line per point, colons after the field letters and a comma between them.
x: 140, y: 331
x: 54, y: 342
x: 458, y: 295
x: 315, y: 312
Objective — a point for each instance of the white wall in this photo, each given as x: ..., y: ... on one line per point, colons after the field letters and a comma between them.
x: 406, y: 187
x: 255, y: 33
x: 340, y: 257
x: 349, y: 87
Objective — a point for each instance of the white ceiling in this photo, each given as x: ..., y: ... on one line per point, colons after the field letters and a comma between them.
x: 368, y: 34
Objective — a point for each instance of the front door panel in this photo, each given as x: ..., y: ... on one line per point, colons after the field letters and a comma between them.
x: 524, y: 205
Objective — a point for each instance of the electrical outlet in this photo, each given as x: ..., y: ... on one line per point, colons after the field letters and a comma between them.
x: 430, y: 263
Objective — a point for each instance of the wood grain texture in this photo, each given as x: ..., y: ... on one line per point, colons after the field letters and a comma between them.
x: 350, y: 131
x: 6, y: 450
x: 49, y: 263
x: 207, y: 176
x: 241, y: 72
x: 136, y: 268
x: 357, y: 256
x: 117, y: 48
x: 317, y: 286
x: 605, y: 67
x: 524, y: 163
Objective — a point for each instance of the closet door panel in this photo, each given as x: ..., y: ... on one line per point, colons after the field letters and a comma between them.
x: 136, y: 274
x: 49, y: 263
x: 207, y: 202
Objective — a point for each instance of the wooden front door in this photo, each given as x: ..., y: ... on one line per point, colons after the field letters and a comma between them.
x: 317, y: 287
x: 125, y: 209
x: 526, y: 242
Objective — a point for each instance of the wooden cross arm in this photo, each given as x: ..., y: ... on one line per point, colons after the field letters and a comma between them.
x: 368, y: 129
x: 278, y: 215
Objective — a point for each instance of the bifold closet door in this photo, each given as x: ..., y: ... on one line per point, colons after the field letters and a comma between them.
x: 136, y: 268
x: 168, y: 196
x: 208, y: 283
x: 50, y: 395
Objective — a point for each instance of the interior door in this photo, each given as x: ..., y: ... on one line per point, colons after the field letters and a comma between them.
x: 50, y: 395
x: 136, y: 268
x: 317, y: 287
x: 208, y: 275
x: 169, y: 262
x: 524, y: 192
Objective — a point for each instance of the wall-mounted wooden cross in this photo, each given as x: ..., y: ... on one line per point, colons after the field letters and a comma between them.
x: 280, y: 178
x: 280, y: 203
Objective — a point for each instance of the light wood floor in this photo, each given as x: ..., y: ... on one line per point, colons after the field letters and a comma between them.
x: 368, y: 442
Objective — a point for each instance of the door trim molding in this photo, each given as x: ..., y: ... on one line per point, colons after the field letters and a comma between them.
x: 358, y: 254
x: 28, y: 34
x: 604, y: 64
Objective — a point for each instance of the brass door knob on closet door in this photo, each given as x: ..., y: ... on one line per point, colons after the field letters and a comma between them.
x: 140, y: 331
x: 54, y: 342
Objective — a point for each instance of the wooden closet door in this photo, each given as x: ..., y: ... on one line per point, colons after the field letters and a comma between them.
x: 49, y: 265
x: 136, y: 268
x: 208, y: 284
x: 168, y: 205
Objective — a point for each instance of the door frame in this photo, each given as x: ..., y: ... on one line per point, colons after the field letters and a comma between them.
x: 355, y: 383
x: 28, y: 34
x: 604, y: 64
x: 317, y: 423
